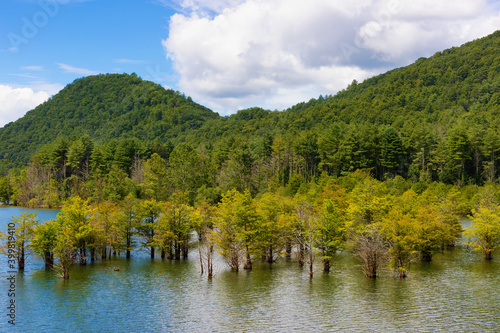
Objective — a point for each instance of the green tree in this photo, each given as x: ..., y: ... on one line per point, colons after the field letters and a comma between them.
x: 5, y: 190
x: 79, y: 153
x: 330, y: 230
x: 458, y: 153
x: 484, y: 232
x: 174, y: 227
x: 78, y: 226
x: 22, y: 235
x: 235, y: 227
x: 149, y: 213
x: 188, y: 170
x: 45, y: 241
x: 156, y: 181
x: 127, y: 222
x: 202, y: 221
x: 391, y: 151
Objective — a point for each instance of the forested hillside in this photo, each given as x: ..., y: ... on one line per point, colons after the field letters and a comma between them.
x: 437, y: 119
x: 103, y: 107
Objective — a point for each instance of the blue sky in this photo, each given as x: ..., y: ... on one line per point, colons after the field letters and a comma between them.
x: 225, y: 54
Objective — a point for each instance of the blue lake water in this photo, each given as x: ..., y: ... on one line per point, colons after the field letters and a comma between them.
x: 457, y: 292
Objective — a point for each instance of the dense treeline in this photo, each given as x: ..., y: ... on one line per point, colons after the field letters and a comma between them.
x: 109, y: 171
x: 391, y: 223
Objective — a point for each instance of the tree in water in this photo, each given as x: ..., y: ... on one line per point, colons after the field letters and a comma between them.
x: 65, y: 251
x: 202, y: 221
x: 45, y: 241
x: 369, y: 247
x: 484, y: 232
x: 23, y: 234
x: 235, y: 227
x: 303, y: 226
x: 149, y: 214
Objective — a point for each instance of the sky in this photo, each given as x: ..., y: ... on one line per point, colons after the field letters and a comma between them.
x: 226, y: 54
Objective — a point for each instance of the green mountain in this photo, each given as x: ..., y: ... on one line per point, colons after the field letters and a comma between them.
x: 437, y: 114
x: 460, y: 83
x: 104, y: 107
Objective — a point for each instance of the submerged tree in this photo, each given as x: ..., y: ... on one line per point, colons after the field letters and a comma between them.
x: 401, y: 231
x: 65, y: 251
x: 202, y: 221
x: 22, y: 235
x: 370, y: 248
x: 45, y: 241
x: 484, y: 232
x: 149, y: 213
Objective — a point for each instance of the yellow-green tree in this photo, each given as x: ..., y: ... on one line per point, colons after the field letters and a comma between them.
x: 235, y: 227
x: 110, y: 237
x: 331, y: 230
x: 45, y: 240
x: 77, y: 221
x: 271, y: 232
x: 20, y: 234
x: 402, y: 233
x: 202, y: 221
x: 127, y: 222
x: 484, y: 232
x: 174, y: 227
x: 149, y: 214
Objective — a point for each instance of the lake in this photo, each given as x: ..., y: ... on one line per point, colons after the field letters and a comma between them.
x: 458, y: 291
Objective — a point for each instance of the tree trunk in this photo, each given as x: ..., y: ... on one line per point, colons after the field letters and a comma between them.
x: 162, y: 255
x: 20, y: 262
x: 65, y: 272
x: 170, y: 252
x: 270, y: 256
x: 201, y: 256
x: 92, y: 254
x: 83, y: 256
x: 326, y: 265
x: 300, y: 255
x: 426, y: 256
x: 177, y: 251
x: 185, y: 250
x: 311, y: 267
x: 248, y: 264
x: 235, y: 262
x: 152, y: 252
x: 104, y: 252
x: 488, y: 255
x: 288, y: 250
x: 48, y: 259
x: 128, y: 246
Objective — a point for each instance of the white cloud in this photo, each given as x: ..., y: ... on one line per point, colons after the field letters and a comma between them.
x: 32, y: 68
x: 75, y: 70
x: 233, y: 54
x: 15, y: 102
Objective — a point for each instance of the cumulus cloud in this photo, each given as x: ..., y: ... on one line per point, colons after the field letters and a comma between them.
x: 232, y: 54
x: 15, y: 102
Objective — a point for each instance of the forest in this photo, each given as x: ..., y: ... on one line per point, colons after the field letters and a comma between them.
x: 384, y: 168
